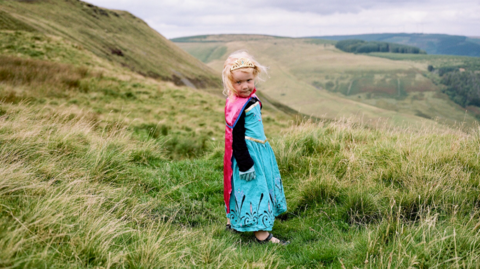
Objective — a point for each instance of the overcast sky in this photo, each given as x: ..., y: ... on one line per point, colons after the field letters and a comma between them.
x: 296, y: 18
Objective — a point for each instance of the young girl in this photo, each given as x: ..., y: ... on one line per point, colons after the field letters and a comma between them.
x: 253, y: 189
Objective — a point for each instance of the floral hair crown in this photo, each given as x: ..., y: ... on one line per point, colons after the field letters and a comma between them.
x: 242, y: 63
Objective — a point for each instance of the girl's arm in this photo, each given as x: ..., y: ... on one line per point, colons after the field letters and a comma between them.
x: 240, y: 150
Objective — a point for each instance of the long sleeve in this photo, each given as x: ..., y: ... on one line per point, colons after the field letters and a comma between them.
x: 240, y: 150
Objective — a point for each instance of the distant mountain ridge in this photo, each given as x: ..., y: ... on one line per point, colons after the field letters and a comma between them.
x: 431, y: 43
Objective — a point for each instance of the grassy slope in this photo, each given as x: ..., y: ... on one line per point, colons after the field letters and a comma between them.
x: 101, y: 31
x: 87, y: 152
x: 435, y: 60
x: 314, y: 78
x: 109, y: 92
x: 439, y: 61
x: 91, y: 177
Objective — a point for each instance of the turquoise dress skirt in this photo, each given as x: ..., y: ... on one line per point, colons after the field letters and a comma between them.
x: 255, y: 204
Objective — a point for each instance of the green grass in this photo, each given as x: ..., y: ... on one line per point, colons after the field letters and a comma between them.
x: 82, y: 196
x: 38, y: 46
x: 94, y: 160
x: 7, y: 22
x: 115, y: 170
x: 102, y: 167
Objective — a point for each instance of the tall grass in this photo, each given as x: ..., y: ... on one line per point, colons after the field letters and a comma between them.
x: 69, y: 199
x: 20, y: 71
x: 88, y: 178
x: 128, y: 174
x: 46, y: 78
x: 116, y: 102
x: 73, y: 194
x: 411, y: 196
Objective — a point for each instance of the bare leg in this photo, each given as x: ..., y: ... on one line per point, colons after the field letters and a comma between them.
x: 262, y: 235
x: 228, y: 221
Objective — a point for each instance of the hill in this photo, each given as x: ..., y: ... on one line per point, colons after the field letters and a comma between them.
x: 102, y: 167
x: 315, y: 78
x: 431, y: 43
x: 115, y: 35
x: 95, y: 173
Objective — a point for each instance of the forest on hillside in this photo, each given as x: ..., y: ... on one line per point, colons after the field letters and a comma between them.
x: 360, y: 46
x: 462, y: 82
x: 430, y: 43
x: 463, y: 87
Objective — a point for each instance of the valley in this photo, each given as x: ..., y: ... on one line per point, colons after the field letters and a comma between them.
x: 315, y: 78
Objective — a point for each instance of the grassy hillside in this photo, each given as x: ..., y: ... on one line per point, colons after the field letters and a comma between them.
x: 103, y: 168
x: 463, y: 89
x: 94, y: 157
x: 115, y: 35
x: 431, y: 43
x: 315, y: 78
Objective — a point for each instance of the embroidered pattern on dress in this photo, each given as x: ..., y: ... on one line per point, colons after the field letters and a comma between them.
x: 279, y: 205
x: 235, y: 214
x: 253, y: 216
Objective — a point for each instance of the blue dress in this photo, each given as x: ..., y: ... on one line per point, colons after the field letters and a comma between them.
x: 255, y: 204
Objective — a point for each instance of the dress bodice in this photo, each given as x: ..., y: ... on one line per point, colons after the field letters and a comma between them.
x: 253, y: 122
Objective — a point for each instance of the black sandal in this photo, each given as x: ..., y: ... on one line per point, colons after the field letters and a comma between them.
x: 229, y: 228
x: 269, y: 237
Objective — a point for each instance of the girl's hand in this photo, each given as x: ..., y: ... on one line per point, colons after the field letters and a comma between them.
x: 248, y: 175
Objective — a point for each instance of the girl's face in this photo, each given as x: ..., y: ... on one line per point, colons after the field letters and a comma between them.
x: 243, y: 83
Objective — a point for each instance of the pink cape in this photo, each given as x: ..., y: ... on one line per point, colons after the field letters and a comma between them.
x: 233, y: 109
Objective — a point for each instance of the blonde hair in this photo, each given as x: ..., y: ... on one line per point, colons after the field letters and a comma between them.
x: 227, y: 73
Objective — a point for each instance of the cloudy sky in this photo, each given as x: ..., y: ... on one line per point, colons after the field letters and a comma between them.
x: 295, y: 18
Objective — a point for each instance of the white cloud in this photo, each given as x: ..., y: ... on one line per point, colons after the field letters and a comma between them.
x: 303, y: 17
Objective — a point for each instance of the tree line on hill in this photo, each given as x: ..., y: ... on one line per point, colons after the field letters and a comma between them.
x: 360, y: 46
x: 463, y: 87
x: 431, y: 43
x: 462, y: 82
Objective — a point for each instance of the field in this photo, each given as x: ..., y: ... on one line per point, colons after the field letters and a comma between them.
x: 102, y: 167
x: 437, y: 61
x: 314, y: 78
